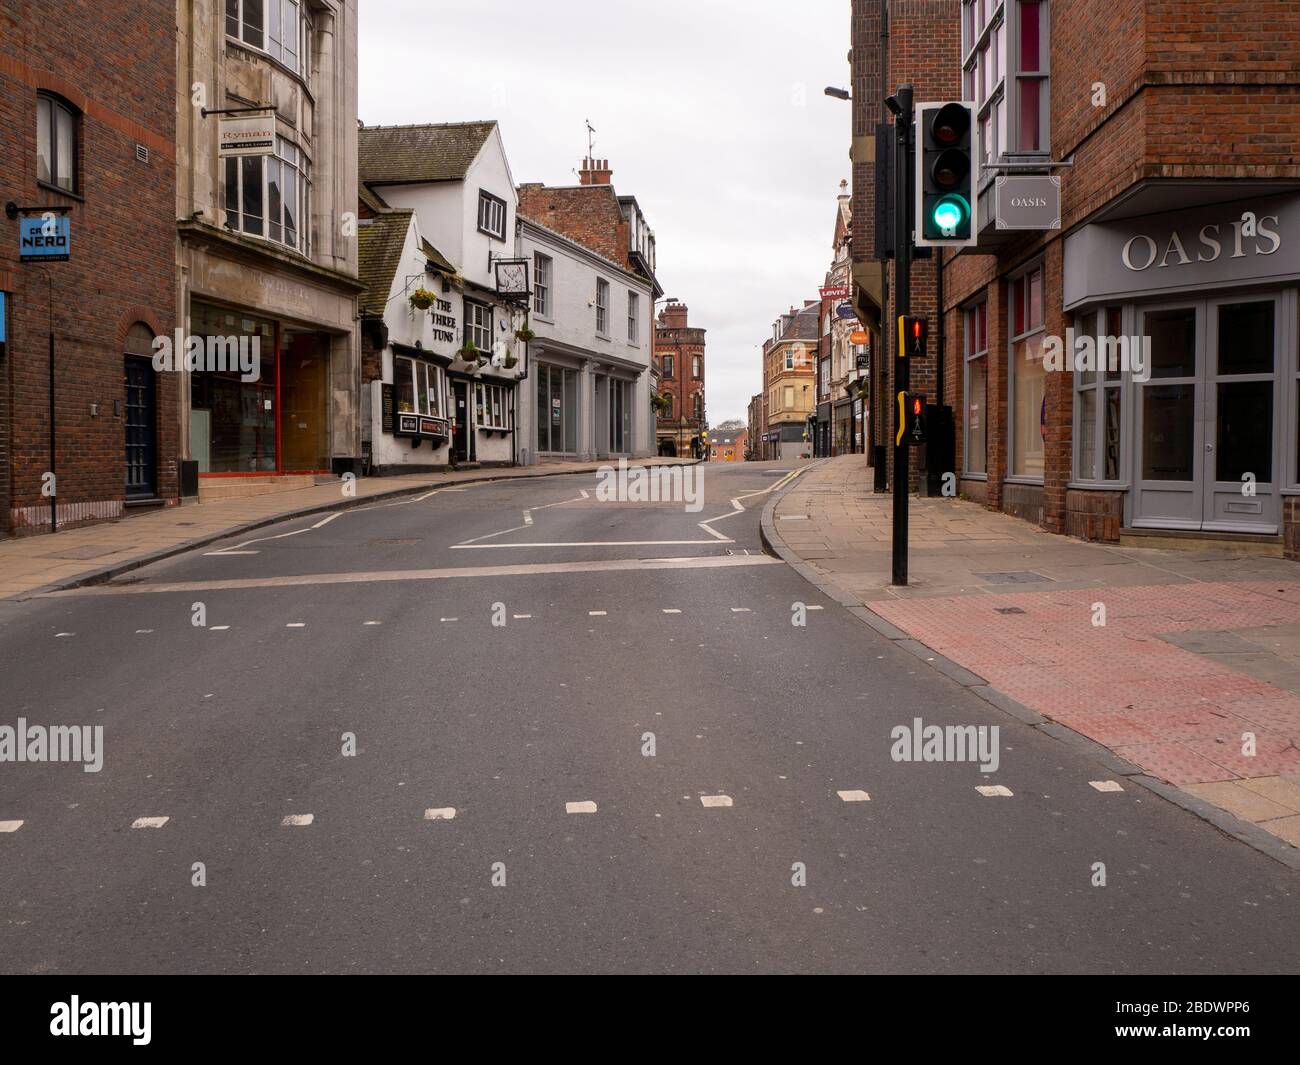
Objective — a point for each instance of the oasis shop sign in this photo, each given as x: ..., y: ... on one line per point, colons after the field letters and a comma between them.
x: 1244, y: 243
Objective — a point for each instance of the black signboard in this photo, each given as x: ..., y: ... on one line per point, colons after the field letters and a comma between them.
x: 386, y: 407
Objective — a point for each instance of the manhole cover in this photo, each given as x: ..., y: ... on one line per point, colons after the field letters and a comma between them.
x: 1020, y: 576
x: 1008, y: 610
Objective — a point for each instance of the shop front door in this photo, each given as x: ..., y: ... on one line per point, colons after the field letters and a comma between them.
x: 1209, y: 452
x: 460, y: 435
x: 141, y: 423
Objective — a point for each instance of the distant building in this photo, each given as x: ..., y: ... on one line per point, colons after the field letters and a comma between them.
x: 728, y: 445
x: 789, y: 376
x: 679, y: 351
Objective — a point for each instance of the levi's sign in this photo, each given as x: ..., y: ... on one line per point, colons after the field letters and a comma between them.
x: 1027, y: 202
x: 246, y: 135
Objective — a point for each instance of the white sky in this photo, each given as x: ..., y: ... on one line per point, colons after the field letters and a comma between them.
x: 710, y: 112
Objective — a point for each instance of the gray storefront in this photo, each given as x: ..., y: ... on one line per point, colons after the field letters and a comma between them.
x: 1198, y: 428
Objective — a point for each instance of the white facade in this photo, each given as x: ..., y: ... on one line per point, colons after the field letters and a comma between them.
x: 587, y: 394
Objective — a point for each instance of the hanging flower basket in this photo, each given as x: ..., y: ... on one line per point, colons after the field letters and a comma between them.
x: 525, y: 334
x: 510, y: 362
x: 422, y: 298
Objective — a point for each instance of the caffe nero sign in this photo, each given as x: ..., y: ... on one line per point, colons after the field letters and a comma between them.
x: 1241, y: 243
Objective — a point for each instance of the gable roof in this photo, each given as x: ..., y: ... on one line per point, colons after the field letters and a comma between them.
x: 370, y: 199
x: 380, y: 241
x: 395, y: 155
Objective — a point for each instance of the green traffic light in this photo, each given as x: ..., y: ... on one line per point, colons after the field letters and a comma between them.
x: 950, y: 213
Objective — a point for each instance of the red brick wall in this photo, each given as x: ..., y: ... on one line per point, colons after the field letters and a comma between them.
x: 117, y: 65
x: 588, y: 214
x: 674, y: 337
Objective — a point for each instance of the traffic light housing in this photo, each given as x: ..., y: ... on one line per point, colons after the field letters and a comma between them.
x: 913, y: 333
x: 911, y: 419
x: 946, y: 166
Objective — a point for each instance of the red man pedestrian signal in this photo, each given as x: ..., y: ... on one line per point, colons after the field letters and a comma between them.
x: 911, y: 419
x: 912, y: 336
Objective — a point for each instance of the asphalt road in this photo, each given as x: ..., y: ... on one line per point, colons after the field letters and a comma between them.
x: 620, y: 620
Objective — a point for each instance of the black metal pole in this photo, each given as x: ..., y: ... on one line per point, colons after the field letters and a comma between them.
x: 54, y: 480
x: 902, y: 305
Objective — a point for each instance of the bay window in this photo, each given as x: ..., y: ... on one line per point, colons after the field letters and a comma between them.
x: 1005, y: 74
x: 491, y: 406
x: 269, y: 195
x: 280, y: 28
x: 418, y: 386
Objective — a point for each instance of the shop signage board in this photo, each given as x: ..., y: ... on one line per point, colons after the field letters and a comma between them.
x: 246, y: 135
x: 1027, y: 201
x: 834, y: 292
x: 44, y: 238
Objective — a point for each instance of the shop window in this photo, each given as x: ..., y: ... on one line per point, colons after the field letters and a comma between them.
x: 543, y: 268
x: 1028, y: 377
x: 1098, y: 402
x: 268, y: 195
x: 56, y: 143
x: 976, y: 344
x: 419, y: 386
x: 491, y: 407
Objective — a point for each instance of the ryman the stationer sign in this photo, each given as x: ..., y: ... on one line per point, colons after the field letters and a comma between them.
x: 1027, y: 202
x: 246, y: 135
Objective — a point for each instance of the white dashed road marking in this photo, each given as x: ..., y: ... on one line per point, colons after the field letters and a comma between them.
x: 10, y: 826
x: 596, y: 613
x: 298, y: 819
x: 521, y: 617
x: 220, y: 628
x: 296, y: 625
x: 715, y: 800
x: 58, y: 634
x: 149, y: 822
x: 813, y: 608
x: 372, y: 622
x: 143, y: 632
x: 1106, y: 785
x: 586, y: 807
x: 440, y: 813
x: 854, y: 796
x: 740, y: 610
x: 449, y: 619
x: 670, y: 611
x: 993, y: 789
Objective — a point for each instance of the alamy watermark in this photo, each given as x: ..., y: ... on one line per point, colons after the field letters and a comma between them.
x: 651, y: 484
x: 946, y: 743
x: 1083, y: 353
x: 213, y: 354
x: 55, y: 743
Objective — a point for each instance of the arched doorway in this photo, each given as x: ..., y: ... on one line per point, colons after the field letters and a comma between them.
x: 668, y: 449
x: 140, y: 414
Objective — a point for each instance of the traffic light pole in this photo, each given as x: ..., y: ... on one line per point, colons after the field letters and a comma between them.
x: 902, y: 306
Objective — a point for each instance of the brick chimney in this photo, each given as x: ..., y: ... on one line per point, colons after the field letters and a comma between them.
x: 673, y: 316
x: 595, y: 172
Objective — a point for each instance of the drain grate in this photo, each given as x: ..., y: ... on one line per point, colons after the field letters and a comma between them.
x: 1020, y: 576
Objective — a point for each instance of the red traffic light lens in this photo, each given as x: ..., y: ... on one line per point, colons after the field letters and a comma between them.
x: 950, y: 125
x: 916, y: 406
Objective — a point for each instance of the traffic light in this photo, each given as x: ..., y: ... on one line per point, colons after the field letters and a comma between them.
x: 911, y: 419
x: 912, y: 336
x: 947, y: 156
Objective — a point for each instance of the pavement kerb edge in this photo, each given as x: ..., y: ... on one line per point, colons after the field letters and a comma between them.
x: 116, y: 569
x: 1243, y: 831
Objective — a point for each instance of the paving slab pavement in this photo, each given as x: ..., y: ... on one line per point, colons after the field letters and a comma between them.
x: 1185, y: 664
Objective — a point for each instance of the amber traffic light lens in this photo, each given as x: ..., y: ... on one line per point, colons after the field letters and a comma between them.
x: 951, y: 168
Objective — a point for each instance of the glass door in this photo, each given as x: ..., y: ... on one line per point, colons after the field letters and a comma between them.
x: 1241, y: 449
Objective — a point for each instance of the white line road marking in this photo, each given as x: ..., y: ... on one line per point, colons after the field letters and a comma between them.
x: 10, y: 826
x: 440, y: 813
x: 219, y: 628
x: 236, y: 550
x: 149, y: 822
x: 58, y: 634
x: 296, y: 625
x: 669, y: 610
x: 792, y: 517
x: 596, y: 613
x: 586, y: 807
x: 521, y: 617
x: 528, y: 517
x: 298, y: 819
x: 208, y: 554
x: 372, y: 623
x: 143, y: 632
x: 736, y: 507
x: 585, y: 495
x: 592, y: 543
x: 382, y: 576
x: 741, y: 610
x: 854, y: 796
x: 993, y: 789
x: 715, y: 800
x: 449, y: 619
x: 813, y: 608
x: 1106, y: 785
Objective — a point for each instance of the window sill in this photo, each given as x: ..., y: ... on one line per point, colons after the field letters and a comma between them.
x: 59, y: 191
x: 975, y: 477
x: 1033, y: 482
x: 492, y: 236
x: 1098, y: 486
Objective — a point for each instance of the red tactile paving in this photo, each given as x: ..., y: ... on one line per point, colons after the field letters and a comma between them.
x: 1175, y: 713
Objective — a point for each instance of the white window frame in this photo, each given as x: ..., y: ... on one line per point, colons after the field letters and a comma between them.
x: 289, y: 168
x: 543, y: 272
x: 1100, y: 386
x: 1013, y: 338
x: 295, y: 59
x: 478, y: 325
x: 602, y: 307
x: 633, y: 314
x: 429, y: 398
x: 667, y: 369
x: 492, y: 212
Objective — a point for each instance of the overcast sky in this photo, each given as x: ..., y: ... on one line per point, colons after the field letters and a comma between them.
x: 710, y: 112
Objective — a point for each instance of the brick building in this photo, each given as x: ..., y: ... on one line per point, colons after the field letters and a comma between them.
x: 92, y: 142
x: 728, y: 445
x: 789, y: 381
x: 756, y: 428
x: 679, y: 352
x: 1179, y: 226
